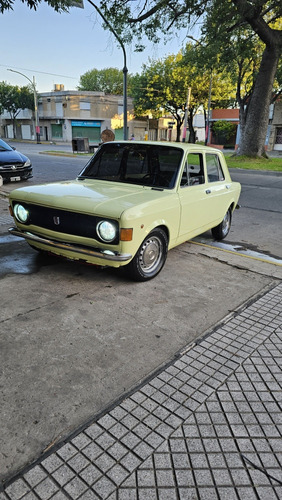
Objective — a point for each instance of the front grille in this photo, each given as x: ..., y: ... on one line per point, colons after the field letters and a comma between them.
x: 8, y: 167
x: 63, y: 221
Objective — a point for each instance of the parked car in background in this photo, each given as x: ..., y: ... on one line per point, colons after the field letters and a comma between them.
x: 131, y: 203
x: 14, y: 166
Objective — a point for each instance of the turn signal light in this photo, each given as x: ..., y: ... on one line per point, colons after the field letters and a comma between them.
x: 126, y: 234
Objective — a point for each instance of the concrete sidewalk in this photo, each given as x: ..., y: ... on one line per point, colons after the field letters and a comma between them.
x: 208, y: 426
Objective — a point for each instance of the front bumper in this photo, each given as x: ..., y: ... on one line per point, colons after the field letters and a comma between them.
x: 84, y: 252
x: 21, y: 173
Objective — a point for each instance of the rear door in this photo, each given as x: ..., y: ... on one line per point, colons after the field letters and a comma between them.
x: 200, y: 193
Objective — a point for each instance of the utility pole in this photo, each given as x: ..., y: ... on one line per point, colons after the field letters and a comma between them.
x: 186, y: 115
x: 209, y: 111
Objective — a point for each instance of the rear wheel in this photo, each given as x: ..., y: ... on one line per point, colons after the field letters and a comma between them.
x: 221, y: 231
x: 150, y: 257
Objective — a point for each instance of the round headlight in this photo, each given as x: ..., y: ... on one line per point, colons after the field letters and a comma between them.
x: 106, y: 231
x: 21, y: 213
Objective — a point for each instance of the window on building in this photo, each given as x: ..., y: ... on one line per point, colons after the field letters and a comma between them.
x: 59, y: 109
x: 85, y: 105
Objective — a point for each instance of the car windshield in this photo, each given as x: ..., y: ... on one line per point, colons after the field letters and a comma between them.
x: 4, y: 146
x: 142, y: 164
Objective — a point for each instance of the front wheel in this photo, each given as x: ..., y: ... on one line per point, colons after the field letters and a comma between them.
x: 221, y: 231
x: 150, y: 257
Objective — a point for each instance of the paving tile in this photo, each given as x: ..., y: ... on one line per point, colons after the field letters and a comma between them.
x: 35, y: 476
x: 208, y: 426
x: 63, y: 475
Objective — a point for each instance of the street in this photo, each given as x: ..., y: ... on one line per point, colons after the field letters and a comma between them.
x: 77, y: 338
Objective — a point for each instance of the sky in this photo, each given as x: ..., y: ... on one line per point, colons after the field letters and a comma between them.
x: 58, y: 48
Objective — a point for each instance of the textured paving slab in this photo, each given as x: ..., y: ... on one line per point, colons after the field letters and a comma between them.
x: 207, y: 427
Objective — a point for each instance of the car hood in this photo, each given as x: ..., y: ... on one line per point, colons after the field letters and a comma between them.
x: 104, y: 198
x: 11, y: 157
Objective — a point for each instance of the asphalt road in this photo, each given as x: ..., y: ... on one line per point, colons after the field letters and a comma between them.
x: 75, y: 338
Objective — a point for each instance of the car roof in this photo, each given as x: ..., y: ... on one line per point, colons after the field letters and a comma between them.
x: 182, y: 145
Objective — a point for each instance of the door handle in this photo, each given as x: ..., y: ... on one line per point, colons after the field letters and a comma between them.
x: 208, y: 191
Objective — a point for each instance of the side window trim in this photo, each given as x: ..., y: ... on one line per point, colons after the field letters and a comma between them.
x: 215, y: 171
x: 187, y: 179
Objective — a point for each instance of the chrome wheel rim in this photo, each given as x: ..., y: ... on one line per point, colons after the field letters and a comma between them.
x: 150, y: 256
x: 226, y: 223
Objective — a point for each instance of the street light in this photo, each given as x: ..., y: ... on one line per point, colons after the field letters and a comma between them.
x: 37, y: 128
x: 125, y: 70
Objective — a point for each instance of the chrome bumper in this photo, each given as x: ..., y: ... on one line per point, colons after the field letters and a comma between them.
x: 97, y: 253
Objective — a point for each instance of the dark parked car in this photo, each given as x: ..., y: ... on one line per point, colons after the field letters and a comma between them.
x: 14, y: 166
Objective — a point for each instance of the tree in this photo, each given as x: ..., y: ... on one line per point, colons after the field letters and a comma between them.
x: 164, y: 83
x: 14, y: 98
x: 239, y: 51
x: 57, y: 5
x: 162, y: 17
x: 162, y: 87
x: 197, y: 60
x: 108, y: 80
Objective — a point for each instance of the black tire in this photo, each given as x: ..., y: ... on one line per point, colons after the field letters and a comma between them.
x: 221, y: 231
x: 150, y: 257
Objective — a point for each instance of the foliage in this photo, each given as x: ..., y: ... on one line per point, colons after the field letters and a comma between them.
x: 134, y: 20
x: 240, y: 24
x: 108, y: 80
x: 14, y: 98
x: 57, y: 5
x: 239, y: 51
x: 162, y: 87
x: 224, y: 129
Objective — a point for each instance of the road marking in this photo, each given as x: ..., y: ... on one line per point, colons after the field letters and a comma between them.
x: 237, y: 250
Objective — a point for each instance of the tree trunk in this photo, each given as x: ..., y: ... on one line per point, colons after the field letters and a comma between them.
x: 252, y: 141
x: 178, y: 131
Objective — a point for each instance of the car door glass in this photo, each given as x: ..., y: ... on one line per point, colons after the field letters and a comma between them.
x: 193, y: 173
x: 214, y: 169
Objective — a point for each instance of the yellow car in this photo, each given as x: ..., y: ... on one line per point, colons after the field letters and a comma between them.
x: 132, y: 203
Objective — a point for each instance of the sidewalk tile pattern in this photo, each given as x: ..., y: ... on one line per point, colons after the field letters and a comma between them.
x: 208, y: 427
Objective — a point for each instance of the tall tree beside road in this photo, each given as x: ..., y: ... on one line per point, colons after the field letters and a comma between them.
x: 163, y: 86
x: 237, y: 51
x: 108, y: 80
x: 159, y: 17
x: 13, y: 99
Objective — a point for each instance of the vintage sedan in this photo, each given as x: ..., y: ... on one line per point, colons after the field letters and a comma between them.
x: 132, y: 203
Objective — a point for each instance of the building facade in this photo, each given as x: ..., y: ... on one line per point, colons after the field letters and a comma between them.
x: 67, y: 114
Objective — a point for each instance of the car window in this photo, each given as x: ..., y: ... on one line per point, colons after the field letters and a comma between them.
x: 4, y: 146
x: 214, y: 169
x: 193, y: 173
x: 143, y: 164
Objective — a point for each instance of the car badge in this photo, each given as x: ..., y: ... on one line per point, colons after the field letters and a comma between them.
x: 13, y: 167
x: 56, y: 220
